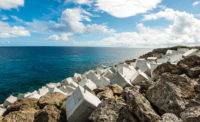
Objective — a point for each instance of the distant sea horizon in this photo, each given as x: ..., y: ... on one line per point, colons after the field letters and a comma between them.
x: 28, y: 68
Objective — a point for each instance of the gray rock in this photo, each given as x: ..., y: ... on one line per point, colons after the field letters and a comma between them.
x: 191, y: 114
x: 169, y: 117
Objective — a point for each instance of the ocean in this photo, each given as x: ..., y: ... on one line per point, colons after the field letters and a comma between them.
x: 25, y: 69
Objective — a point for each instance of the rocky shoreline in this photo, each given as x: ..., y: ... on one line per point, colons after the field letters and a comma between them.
x: 160, y: 86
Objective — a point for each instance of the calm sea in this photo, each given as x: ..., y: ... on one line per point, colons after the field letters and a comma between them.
x: 24, y: 69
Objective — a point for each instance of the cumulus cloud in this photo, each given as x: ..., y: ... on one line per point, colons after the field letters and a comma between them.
x: 9, y: 4
x: 82, y: 2
x: 7, y: 31
x: 126, y: 8
x: 183, y: 30
x: 196, y: 3
x: 62, y: 37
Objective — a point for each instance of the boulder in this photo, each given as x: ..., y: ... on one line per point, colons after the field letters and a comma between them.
x: 80, y: 105
x: 42, y: 91
x: 1, y: 118
x: 117, y: 90
x: 125, y: 115
x: 22, y: 105
x: 140, y: 106
x: 166, y: 67
x: 56, y: 99
x: 169, y: 117
x: 88, y: 84
x: 197, y: 88
x: 108, y: 111
x: 105, y: 94
x: 191, y: 114
x: 10, y: 100
x: 193, y: 72
x: 21, y: 116
x: 190, y: 62
x: 49, y: 113
x: 168, y: 93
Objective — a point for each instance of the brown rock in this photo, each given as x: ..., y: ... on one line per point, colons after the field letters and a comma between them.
x: 169, y: 117
x: 20, y: 116
x: 167, y: 95
x: 107, y: 111
x: 125, y: 115
x: 96, y: 91
x: 22, y: 104
x: 193, y: 72
x: 56, y: 99
x: 1, y: 118
x: 166, y: 67
x: 105, y: 94
x: 117, y: 90
x: 197, y: 88
x: 191, y: 114
x: 140, y: 106
x: 49, y: 113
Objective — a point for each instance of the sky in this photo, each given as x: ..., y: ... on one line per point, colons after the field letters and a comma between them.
x: 100, y: 23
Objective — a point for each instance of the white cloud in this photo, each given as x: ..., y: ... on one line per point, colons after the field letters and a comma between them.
x: 62, y: 37
x: 126, y: 8
x: 196, y: 3
x: 101, y: 29
x: 9, y: 4
x: 82, y: 2
x: 184, y: 30
x: 7, y: 31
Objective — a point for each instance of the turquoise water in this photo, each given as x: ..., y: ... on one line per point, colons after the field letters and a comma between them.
x: 24, y: 69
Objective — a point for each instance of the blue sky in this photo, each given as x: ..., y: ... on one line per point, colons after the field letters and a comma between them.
x: 112, y: 23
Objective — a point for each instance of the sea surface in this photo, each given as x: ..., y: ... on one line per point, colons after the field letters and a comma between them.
x: 24, y: 69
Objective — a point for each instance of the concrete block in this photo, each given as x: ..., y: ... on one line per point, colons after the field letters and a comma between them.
x: 51, y: 85
x: 100, y: 71
x: 20, y: 96
x: 35, y: 96
x: 88, y: 84
x: 10, y: 100
x: 182, y: 50
x: 68, y: 90
x: 120, y: 80
x: 113, y: 69
x: 27, y: 95
x: 164, y: 59
x: 171, y: 52
x: 139, y: 76
x: 56, y: 90
x: 153, y: 67
x: 42, y: 91
x: 80, y: 105
x: 143, y: 66
x: 2, y: 110
x: 152, y: 59
x: 69, y: 82
x: 108, y: 74
x: 174, y: 59
x: 78, y: 77
x: 190, y: 52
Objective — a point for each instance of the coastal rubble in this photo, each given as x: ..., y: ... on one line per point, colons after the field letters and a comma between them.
x: 160, y: 86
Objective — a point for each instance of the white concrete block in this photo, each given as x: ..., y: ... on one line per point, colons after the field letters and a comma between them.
x: 152, y: 59
x: 88, y: 84
x: 80, y: 105
x: 27, y: 95
x: 164, y: 59
x: 190, y: 52
x: 35, y: 96
x: 182, y: 50
x: 56, y: 90
x: 100, y: 71
x: 69, y: 82
x: 51, y: 85
x: 120, y: 80
x: 20, y: 96
x: 68, y: 90
x: 10, y: 100
x: 153, y: 67
x: 143, y: 66
x: 171, y: 52
x: 2, y: 110
x: 42, y: 91
x: 108, y: 74
x: 78, y: 77
x: 139, y: 76
x: 174, y: 59
x: 113, y: 69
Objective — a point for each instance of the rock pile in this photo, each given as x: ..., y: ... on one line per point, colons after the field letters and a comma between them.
x: 161, y: 86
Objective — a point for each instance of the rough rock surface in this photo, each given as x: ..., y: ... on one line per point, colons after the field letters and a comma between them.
x: 108, y: 111
x: 22, y: 104
x: 140, y: 106
x: 191, y: 114
x: 56, y: 99
x: 20, y: 116
x: 167, y: 96
x: 169, y: 117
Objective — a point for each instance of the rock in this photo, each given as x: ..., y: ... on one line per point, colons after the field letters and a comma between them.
x: 22, y: 105
x: 80, y: 105
x: 117, y: 90
x: 168, y: 93
x: 56, y: 99
x: 191, y: 114
x: 1, y: 118
x: 105, y: 94
x: 10, y: 100
x: 193, y: 72
x: 107, y: 111
x: 197, y: 88
x: 125, y: 115
x: 169, y: 117
x: 166, y: 67
x: 140, y: 106
x: 20, y: 116
x: 42, y: 91
x: 49, y: 113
